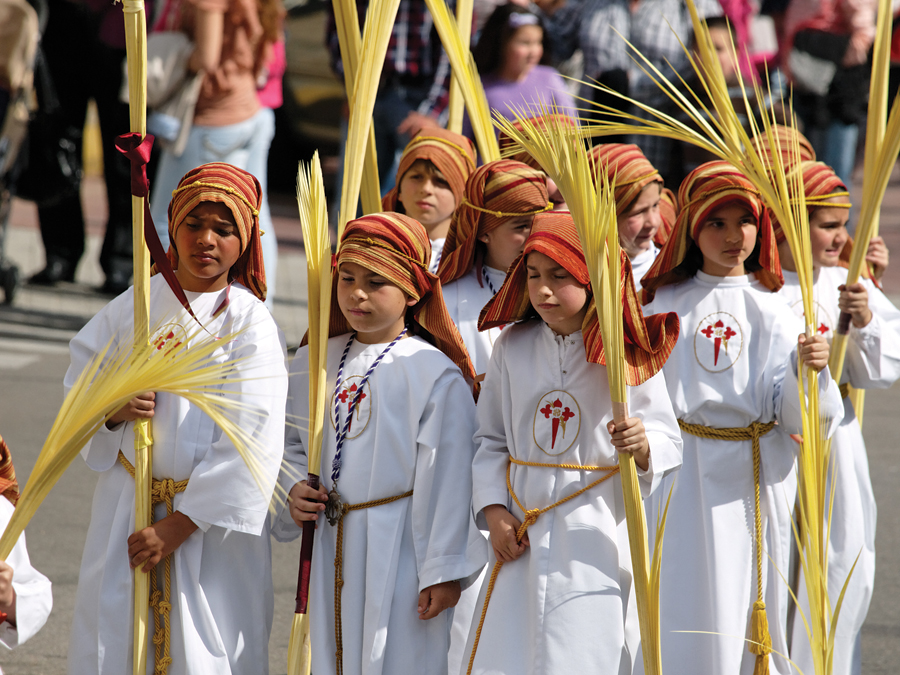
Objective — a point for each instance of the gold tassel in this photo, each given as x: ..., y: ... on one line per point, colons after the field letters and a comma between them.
x: 760, y: 640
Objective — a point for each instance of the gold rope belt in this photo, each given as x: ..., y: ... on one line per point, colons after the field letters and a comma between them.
x: 530, y: 517
x: 760, y: 640
x: 161, y: 492
x: 339, y: 569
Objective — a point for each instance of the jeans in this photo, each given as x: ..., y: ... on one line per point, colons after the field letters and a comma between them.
x: 246, y: 146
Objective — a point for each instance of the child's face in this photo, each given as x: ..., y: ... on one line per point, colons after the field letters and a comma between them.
x: 726, y: 239
x: 721, y: 38
x: 828, y: 233
x: 556, y: 295
x: 208, y: 245
x: 506, y: 241
x: 426, y: 195
x: 372, y: 305
x: 523, y: 52
x: 639, y: 224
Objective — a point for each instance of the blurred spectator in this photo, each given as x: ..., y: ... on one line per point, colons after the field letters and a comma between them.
x: 233, y: 44
x: 84, y: 47
x: 511, y: 57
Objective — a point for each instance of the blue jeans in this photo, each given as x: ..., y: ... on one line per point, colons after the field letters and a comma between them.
x: 246, y: 146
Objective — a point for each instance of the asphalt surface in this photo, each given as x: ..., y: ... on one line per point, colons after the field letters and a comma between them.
x: 34, y: 332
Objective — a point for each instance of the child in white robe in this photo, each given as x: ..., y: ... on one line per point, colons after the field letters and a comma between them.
x: 25, y: 593
x: 216, y: 539
x: 487, y: 234
x: 872, y: 362
x: 406, y: 417
x: 735, y: 367
x: 547, y: 456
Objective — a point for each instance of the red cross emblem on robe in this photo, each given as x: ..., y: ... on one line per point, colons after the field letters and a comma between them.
x: 558, y: 415
x: 349, y: 394
x: 720, y: 334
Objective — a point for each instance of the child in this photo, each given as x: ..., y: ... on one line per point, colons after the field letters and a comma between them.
x: 873, y: 361
x: 638, y: 191
x: 407, y: 544
x: 25, y: 596
x: 215, y: 539
x: 546, y: 441
x: 511, y: 56
x: 431, y: 178
x: 487, y: 234
x: 734, y: 368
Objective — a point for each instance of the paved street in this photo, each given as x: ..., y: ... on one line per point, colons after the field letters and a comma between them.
x: 34, y: 332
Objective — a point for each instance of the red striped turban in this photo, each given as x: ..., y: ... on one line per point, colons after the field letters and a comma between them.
x: 397, y: 247
x: 9, y: 486
x: 648, y: 340
x: 820, y: 183
x: 508, y: 146
x: 452, y: 154
x: 668, y: 213
x: 495, y: 192
x: 242, y: 194
x: 710, y: 187
x: 783, y: 140
x: 627, y: 166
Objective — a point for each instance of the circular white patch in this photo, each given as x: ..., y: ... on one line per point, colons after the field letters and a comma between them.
x: 718, y: 342
x: 557, y: 421
x: 362, y: 411
x: 169, y: 336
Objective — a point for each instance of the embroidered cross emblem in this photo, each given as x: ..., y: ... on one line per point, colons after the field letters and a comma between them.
x: 559, y: 416
x: 720, y: 334
x: 823, y: 329
x: 350, y: 393
x: 163, y: 340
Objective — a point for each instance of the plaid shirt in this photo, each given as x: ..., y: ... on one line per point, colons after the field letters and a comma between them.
x: 657, y: 29
x: 414, y: 51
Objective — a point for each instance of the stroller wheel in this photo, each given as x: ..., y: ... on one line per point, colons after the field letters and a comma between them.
x: 9, y: 277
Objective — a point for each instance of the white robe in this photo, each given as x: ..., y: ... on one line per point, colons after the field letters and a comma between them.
x: 465, y: 299
x: 566, y: 604
x: 872, y: 362
x: 34, y: 598
x: 218, y: 626
x: 729, y: 369
x: 437, y: 249
x: 641, y: 264
x: 412, y: 431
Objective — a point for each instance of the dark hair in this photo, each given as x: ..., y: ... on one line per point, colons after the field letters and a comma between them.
x: 716, y: 22
x: 693, y: 260
x: 496, y: 35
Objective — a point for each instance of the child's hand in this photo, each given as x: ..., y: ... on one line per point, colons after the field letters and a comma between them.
x: 435, y: 599
x: 306, y: 503
x: 629, y: 436
x: 7, y: 594
x: 855, y: 301
x: 140, y: 407
x: 154, y: 543
x: 878, y: 257
x: 813, y: 351
x: 503, y: 527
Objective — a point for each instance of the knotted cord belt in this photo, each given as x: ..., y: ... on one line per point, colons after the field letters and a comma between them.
x: 531, y: 517
x: 161, y: 492
x: 339, y: 569
x: 760, y: 640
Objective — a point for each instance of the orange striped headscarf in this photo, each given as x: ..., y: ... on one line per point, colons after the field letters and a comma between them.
x: 9, y: 486
x: 668, y: 214
x: 820, y: 183
x: 710, y: 187
x: 397, y: 247
x: 628, y: 167
x: 783, y: 138
x: 452, y: 154
x: 648, y: 340
x: 512, y: 150
x: 495, y: 192
x: 242, y: 194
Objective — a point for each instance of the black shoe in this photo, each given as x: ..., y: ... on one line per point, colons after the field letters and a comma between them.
x: 55, y: 271
x: 114, y: 285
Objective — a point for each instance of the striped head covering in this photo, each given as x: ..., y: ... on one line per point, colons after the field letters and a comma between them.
x: 397, y: 247
x: 648, y: 340
x: 783, y: 138
x: 242, y: 194
x: 495, y: 192
x: 628, y: 167
x: 452, y: 154
x: 668, y: 214
x: 512, y: 150
x: 9, y: 486
x: 706, y: 189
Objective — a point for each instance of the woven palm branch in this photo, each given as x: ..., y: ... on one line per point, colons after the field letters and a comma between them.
x: 558, y: 148
x: 314, y: 220
x: 466, y: 75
